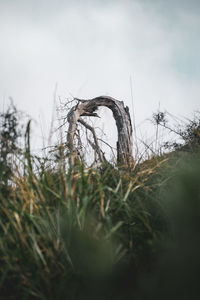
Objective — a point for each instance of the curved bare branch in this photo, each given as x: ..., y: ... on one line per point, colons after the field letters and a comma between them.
x: 122, y: 119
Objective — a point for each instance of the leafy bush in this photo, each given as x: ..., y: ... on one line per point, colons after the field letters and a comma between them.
x: 10, y: 133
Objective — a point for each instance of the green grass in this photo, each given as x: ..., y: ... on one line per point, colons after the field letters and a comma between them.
x: 101, y: 233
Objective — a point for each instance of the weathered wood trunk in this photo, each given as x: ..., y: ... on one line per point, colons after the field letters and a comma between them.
x: 122, y: 119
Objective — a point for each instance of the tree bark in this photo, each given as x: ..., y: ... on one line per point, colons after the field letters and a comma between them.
x: 122, y: 119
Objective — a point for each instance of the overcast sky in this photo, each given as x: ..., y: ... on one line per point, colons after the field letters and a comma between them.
x: 92, y: 48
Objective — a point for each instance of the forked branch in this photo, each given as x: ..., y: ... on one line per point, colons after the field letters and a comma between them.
x: 122, y: 119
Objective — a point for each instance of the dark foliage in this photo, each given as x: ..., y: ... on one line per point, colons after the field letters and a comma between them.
x: 98, y: 233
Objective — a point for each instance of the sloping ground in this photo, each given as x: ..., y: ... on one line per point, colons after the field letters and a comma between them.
x: 102, y: 233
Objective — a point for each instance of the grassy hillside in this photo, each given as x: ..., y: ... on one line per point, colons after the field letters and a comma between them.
x: 98, y: 233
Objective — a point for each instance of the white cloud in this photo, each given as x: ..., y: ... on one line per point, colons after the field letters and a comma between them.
x: 92, y: 49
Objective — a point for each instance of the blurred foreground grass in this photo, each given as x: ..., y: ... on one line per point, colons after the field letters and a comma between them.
x: 101, y: 233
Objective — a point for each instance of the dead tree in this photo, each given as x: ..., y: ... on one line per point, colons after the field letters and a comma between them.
x: 123, y: 123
